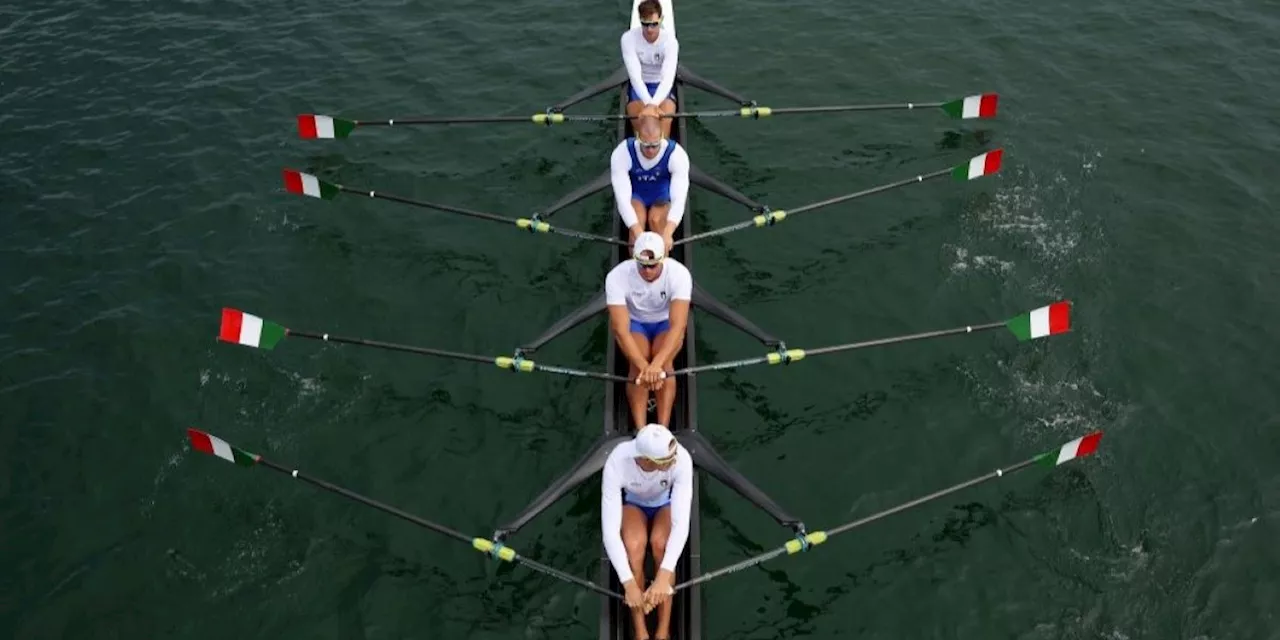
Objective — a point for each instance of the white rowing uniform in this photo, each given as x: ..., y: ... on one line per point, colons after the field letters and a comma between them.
x: 623, y: 479
x: 648, y: 301
x: 622, y: 176
x: 649, y: 63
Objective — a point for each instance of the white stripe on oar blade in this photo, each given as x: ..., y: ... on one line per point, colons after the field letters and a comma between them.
x: 972, y: 106
x: 324, y: 124
x: 1040, y: 322
x: 250, y: 332
x: 1068, y: 450
x: 311, y: 187
x: 976, y: 166
x: 221, y: 448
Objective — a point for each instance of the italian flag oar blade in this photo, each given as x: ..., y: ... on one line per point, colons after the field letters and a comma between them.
x: 215, y: 446
x: 983, y: 165
x: 313, y: 126
x: 979, y: 106
x: 1078, y: 448
x: 305, y: 184
x: 1045, y: 321
x: 249, y: 330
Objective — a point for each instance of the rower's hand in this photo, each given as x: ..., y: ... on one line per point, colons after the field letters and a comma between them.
x: 652, y: 375
x: 651, y: 110
x: 660, y: 591
x: 631, y: 594
x: 633, y: 233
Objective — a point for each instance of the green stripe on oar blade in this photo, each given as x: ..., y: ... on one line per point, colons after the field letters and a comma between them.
x: 215, y: 446
x: 249, y: 330
x: 1045, y: 321
x: 305, y: 184
x: 313, y: 126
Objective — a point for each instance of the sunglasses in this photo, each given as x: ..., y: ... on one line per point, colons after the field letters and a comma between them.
x: 649, y: 145
x: 651, y: 25
x: 660, y: 461
x: 649, y: 264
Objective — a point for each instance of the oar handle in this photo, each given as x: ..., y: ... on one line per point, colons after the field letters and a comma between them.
x: 386, y: 508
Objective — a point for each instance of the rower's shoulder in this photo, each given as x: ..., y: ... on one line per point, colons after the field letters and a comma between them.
x: 677, y: 266
x: 619, y: 272
x: 629, y: 35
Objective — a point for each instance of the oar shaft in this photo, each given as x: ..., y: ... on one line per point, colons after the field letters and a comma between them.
x: 578, y: 373
x: 386, y: 508
x: 892, y: 185
x: 933, y: 496
x: 391, y: 122
x: 897, y: 339
x: 391, y: 346
x: 764, y: 112
x: 430, y: 205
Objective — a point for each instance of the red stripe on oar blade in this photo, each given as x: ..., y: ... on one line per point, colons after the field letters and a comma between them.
x: 200, y: 441
x: 307, y: 126
x: 232, y: 320
x: 987, y: 106
x: 992, y: 162
x: 1059, y: 317
x: 292, y: 181
x: 1089, y: 444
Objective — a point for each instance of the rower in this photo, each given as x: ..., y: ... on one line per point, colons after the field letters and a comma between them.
x: 650, y: 177
x: 650, y: 55
x: 647, y: 482
x: 648, y: 299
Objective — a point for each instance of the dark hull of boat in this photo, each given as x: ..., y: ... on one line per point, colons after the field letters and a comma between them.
x: 686, y: 617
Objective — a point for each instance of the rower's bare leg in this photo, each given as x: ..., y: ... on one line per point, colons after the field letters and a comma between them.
x: 667, y: 106
x: 666, y: 394
x: 658, y: 544
x: 638, y: 394
x: 658, y: 217
x: 642, y: 218
x: 635, y: 537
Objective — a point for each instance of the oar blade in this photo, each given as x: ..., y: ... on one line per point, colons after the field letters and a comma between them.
x: 981, y: 165
x: 1046, y: 321
x: 968, y: 108
x: 1078, y: 448
x: 249, y: 330
x: 215, y: 446
x: 311, y: 126
x: 306, y: 184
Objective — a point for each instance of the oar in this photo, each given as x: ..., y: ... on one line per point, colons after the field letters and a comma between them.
x: 979, y: 106
x: 306, y: 184
x: 978, y: 166
x: 215, y: 446
x: 249, y: 330
x: 1078, y: 448
x: 318, y: 126
x: 1039, y: 323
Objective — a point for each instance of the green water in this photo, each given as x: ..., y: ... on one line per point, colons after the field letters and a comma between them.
x: 140, y: 192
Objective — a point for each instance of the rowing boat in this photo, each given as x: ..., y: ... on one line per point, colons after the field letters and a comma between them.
x: 614, y: 622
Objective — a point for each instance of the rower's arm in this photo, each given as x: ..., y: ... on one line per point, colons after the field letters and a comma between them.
x: 669, y: 64
x: 620, y: 177
x: 681, y: 501
x: 678, y: 165
x: 620, y: 322
x: 632, y: 62
x: 679, y: 318
x: 611, y: 521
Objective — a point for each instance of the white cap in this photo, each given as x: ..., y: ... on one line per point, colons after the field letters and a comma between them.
x: 655, y: 442
x: 650, y: 241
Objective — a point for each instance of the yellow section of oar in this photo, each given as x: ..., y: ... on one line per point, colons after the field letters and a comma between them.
x: 767, y: 219
x: 755, y: 112
x: 533, y: 225
x: 523, y: 366
x: 548, y: 118
x: 795, y: 546
x: 487, y: 546
x: 791, y: 356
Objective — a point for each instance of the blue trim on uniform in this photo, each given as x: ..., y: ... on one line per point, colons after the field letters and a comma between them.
x: 649, y: 512
x: 651, y: 330
x: 653, y: 185
x: 632, y: 96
